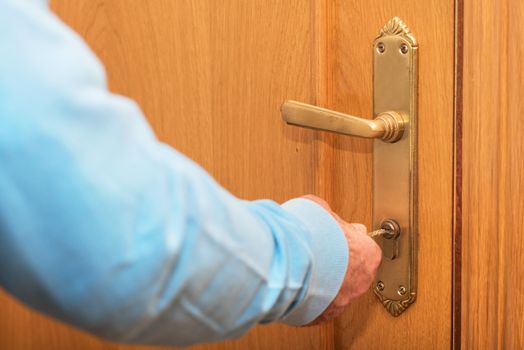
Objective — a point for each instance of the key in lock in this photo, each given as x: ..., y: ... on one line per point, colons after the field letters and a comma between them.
x: 390, y: 232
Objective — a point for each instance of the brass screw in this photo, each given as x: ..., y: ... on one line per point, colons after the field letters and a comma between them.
x: 381, y: 47
x: 380, y: 285
x: 401, y: 290
x: 404, y: 48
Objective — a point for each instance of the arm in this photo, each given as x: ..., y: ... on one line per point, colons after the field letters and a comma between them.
x: 107, y: 229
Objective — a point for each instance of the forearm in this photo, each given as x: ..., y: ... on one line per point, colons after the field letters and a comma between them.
x: 157, y: 252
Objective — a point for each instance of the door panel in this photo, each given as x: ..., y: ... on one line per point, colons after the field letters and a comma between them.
x: 210, y: 77
x: 426, y: 324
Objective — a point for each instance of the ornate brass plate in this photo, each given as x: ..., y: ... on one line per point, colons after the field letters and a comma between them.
x: 395, y: 165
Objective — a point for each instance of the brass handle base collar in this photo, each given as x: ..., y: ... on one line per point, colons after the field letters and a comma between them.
x: 393, y: 126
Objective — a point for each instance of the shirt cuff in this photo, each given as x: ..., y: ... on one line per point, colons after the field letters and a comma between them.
x: 330, y: 260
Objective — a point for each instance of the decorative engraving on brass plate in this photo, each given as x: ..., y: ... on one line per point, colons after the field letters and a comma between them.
x: 395, y: 165
x: 395, y: 307
x: 396, y: 26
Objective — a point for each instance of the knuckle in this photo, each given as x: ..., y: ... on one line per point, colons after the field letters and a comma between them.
x: 360, y: 228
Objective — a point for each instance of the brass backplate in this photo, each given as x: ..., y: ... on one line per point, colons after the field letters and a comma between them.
x: 395, y: 165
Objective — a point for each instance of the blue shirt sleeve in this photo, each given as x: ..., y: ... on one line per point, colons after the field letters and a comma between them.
x: 104, y: 227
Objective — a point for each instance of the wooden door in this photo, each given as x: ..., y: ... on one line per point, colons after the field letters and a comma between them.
x: 211, y: 75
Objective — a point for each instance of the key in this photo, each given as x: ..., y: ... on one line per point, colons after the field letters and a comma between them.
x: 379, y: 232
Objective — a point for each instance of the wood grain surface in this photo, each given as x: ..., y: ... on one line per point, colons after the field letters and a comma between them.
x: 426, y: 324
x: 210, y: 77
x: 493, y: 180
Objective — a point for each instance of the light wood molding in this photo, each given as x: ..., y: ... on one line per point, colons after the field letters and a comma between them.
x: 493, y: 180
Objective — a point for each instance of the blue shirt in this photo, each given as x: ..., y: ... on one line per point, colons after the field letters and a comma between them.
x: 106, y: 228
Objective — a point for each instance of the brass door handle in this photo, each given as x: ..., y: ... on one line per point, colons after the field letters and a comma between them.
x: 388, y: 126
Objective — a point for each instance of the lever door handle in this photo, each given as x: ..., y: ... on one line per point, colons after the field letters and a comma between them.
x: 394, y: 160
x: 388, y: 126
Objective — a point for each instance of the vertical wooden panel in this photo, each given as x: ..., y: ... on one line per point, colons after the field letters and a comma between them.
x: 210, y: 77
x: 426, y: 324
x: 493, y: 162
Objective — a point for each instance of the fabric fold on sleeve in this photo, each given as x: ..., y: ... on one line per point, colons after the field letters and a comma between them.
x: 330, y: 260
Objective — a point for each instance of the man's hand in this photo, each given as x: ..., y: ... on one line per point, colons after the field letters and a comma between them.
x: 364, y: 259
